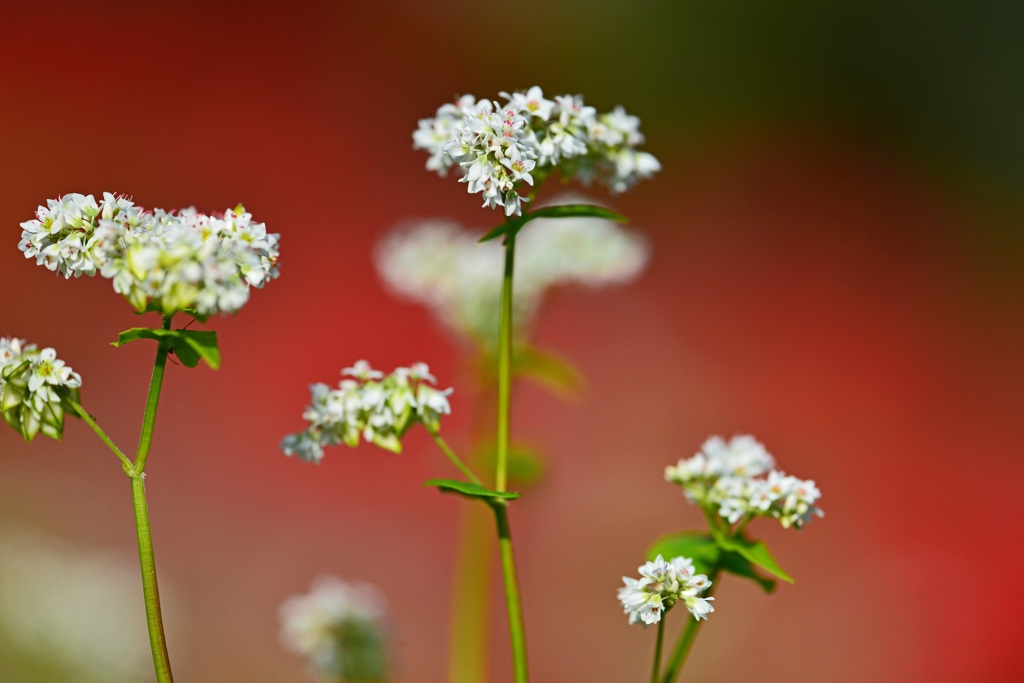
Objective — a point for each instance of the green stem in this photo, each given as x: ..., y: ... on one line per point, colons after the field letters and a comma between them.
x: 152, y: 400
x: 443, y: 445
x: 515, y: 609
x: 657, y: 649
x: 154, y: 619
x: 682, y: 649
x: 126, y: 464
x: 505, y: 367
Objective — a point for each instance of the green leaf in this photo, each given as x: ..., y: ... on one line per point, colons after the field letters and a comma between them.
x: 547, y: 369
x: 514, y: 225
x: 706, y: 554
x: 470, y: 490
x: 700, y: 548
x: 754, y: 551
x: 188, y: 345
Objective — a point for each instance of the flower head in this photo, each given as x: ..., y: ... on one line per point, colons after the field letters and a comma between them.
x: 661, y: 585
x: 376, y: 407
x: 170, y: 261
x: 439, y: 264
x: 498, y: 147
x: 34, y: 388
x: 339, y: 627
x: 737, y: 479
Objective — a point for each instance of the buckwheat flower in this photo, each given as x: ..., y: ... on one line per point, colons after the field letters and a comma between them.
x: 661, y: 585
x: 166, y: 260
x: 500, y: 147
x: 339, y: 627
x: 444, y: 267
x: 34, y: 388
x: 374, y: 407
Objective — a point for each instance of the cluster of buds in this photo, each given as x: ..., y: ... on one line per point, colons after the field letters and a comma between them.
x: 661, y: 585
x: 726, y: 478
x: 499, y: 147
x: 168, y: 261
x: 369, y: 404
x: 442, y: 265
x: 34, y: 388
x: 338, y: 626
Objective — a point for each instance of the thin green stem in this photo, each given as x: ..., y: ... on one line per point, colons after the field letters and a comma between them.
x: 443, y: 445
x: 505, y: 367
x: 126, y: 464
x: 515, y: 610
x: 154, y: 619
x: 656, y: 668
x: 152, y: 400
x: 682, y: 648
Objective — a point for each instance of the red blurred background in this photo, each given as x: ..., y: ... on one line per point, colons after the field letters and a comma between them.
x: 836, y: 270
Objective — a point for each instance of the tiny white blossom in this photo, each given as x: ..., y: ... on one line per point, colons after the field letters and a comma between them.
x: 172, y: 261
x: 374, y: 407
x: 661, y: 585
x: 34, y: 386
x: 339, y: 627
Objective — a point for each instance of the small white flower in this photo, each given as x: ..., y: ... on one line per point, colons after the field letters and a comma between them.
x: 33, y: 387
x: 662, y: 585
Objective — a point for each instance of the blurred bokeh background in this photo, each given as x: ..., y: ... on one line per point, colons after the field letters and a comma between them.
x: 836, y: 269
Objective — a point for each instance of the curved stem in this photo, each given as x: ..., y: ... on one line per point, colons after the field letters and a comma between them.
x: 154, y: 618
x: 443, y: 445
x: 126, y: 464
x: 657, y: 649
x: 515, y: 610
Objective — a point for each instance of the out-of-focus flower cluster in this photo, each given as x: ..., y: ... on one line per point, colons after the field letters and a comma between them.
x: 338, y: 626
x: 34, y: 385
x: 726, y: 477
x: 369, y: 404
x: 173, y: 261
x: 63, y: 615
x: 439, y: 264
x: 498, y: 147
x: 661, y: 585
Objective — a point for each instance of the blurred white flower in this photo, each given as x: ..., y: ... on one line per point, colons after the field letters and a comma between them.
x: 338, y: 626
x: 499, y: 146
x: 63, y: 612
x: 439, y: 264
x: 34, y: 385
x: 726, y: 477
x: 376, y: 407
x: 661, y: 585
x: 173, y: 261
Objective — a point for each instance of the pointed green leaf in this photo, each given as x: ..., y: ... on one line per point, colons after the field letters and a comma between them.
x: 754, y: 551
x: 734, y: 563
x: 188, y: 345
x: 547, y: 369
x: 470, y: 490
x: 700, y: 548
x: 514, y: 225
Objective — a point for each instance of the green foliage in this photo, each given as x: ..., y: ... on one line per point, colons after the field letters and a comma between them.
x: 470, y: 490
x: 708, y: 553
x: 756, y: 552
x: 513, y: 225
x: 188, y: 345
x: 548, y: 370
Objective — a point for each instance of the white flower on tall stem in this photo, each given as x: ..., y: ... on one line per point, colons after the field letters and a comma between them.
x: 661, y: 585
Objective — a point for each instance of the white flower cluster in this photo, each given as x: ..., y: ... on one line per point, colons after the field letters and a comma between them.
x: 443, y: 266
x: 338, y: 627
x: 33, y: 387
x: 499, y: 147
x: 660, y: 586
x: 726, y: 476
x: 172, y: 261
x: 378, y: 408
